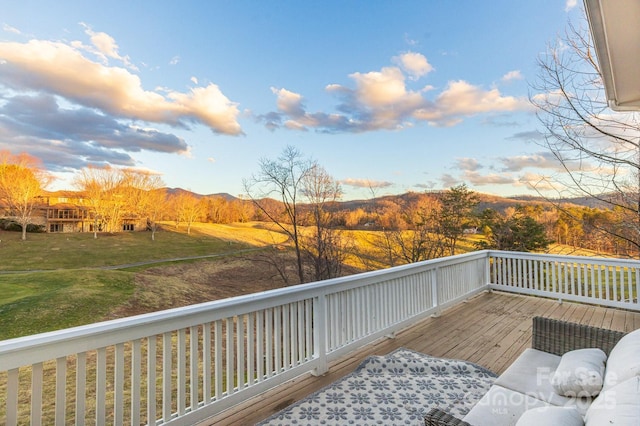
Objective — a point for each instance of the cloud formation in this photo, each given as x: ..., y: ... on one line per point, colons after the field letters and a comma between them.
x: 66, y: 103
x: 65, y: 138
x: 382, y: 100
x: 365, y: 183
x: 62, y: 69
x: 512, y: 75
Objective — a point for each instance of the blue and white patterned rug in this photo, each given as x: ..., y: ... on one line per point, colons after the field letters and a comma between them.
x: 396, y: 389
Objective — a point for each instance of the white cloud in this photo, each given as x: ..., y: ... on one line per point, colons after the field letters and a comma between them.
x: 461, y: 99
x: 470, y: 164
x: 8, y: 28
x: 63, y: 70
x: 211, y: 160
x: 570, y: 4
x: 194, y: 80
x: 365, y: 183
x: 175, y: 60
x: 478, y: 179
x: 541, y: 160
x: 512, y: 75
x: 415, y: 64
x: 382, y: 100
x: 105, y: 46
x: 289, y: 102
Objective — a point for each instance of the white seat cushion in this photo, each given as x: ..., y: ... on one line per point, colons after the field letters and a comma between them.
x: 624, y: 360
x: 618, y: 405
x: 556, y: 416
x: 501, y: 407
x: 580, y: 373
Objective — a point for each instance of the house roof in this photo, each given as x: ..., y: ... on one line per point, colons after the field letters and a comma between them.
x: 615, y: 29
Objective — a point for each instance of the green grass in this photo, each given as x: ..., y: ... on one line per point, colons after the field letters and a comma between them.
x: 60, y: 289
x: 44, y: 301
x: 81, y: 250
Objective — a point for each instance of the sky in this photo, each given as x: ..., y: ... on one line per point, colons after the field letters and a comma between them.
x: 387, y: 96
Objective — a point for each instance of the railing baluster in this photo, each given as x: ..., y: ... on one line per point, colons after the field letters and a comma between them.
x: 240, y: 354
x: 166, y: 376
x: 218, y: 369
x: 277, y: 335
x: 229, y: 329
x: 251, y: 349
x: 136, y: 372
x: 81, y: 387
x: 101, y: 385
x: 206, y: 363
x: 260, y: 342
x: 13, y: 386
x: 194, y: 373
x: 269, y: 349
x: 151, y: 380
x: 293, y: 332
x: 286, y: 337
x: 614, y: 279
x: 36, y: 394
x: 61, y: 395
x: 181, y: 372
x: 118, y: 385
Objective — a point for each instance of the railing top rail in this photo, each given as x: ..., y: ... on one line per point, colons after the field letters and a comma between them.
x: 571, y: 258
x: 74, y: 340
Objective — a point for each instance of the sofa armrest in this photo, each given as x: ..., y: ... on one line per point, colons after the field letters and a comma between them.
x: 437, y: 417
x: 558, y: 337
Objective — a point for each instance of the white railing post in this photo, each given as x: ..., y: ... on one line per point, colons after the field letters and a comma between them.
x: 320, y: 334
x: 435, y: 292
x: 487, y: 269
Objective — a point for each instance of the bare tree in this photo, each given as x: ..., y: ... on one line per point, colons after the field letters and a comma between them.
x: 187, y: 208
x: 598, y: 149
x: 145, y: 196
x: 21, y: 183
x: 419, y: 237
x: 293, y: 180
x: 100, y: 189
x: 324, y: 247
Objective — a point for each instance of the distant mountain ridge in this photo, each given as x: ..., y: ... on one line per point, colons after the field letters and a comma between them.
x: 495, y: 202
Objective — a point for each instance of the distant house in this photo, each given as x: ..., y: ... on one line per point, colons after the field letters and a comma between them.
x: 66, y: 211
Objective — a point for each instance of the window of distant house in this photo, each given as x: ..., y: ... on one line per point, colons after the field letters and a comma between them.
x: 55, y: 227
x: 127, y: 227
x: 62, y: 199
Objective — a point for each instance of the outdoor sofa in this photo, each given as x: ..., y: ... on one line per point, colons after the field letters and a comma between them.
x: 573, y: 375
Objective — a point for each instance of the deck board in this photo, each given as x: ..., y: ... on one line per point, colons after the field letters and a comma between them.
x: 491, y: 329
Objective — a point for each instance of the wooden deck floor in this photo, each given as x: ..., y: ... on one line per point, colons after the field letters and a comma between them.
x: 491, y: 329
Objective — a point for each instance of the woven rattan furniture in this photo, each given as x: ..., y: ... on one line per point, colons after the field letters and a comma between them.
x: 554, y: 337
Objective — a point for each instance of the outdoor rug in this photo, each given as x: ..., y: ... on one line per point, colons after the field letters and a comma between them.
x: 396, y: 389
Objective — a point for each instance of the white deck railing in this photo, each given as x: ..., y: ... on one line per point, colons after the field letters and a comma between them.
x: 183, y: 365
x: 607, y: 282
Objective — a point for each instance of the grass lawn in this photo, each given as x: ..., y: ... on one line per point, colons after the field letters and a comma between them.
x: 44, y: 301
x: 81, y: 250
x: 60, y: 290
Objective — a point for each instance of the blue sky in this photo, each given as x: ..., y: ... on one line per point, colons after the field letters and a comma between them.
x: 392, y: 95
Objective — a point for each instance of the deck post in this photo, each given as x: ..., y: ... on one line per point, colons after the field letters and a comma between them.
x: 320, y: 334
x: 434, y: 292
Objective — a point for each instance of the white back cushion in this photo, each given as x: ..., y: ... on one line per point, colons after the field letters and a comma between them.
x: 618, y: 405
x: 624, y: 360
x: 556, y: 416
